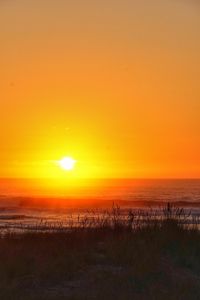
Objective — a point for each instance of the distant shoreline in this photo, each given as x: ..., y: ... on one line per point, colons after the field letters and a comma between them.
x: 64, y: 202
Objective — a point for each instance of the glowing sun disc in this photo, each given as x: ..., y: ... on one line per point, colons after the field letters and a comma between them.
x: 67, y: 163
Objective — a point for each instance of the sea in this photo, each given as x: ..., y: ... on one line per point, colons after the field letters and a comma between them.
x: 38, y: 204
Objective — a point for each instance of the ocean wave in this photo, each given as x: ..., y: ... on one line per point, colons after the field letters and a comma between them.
x: 15, y: 217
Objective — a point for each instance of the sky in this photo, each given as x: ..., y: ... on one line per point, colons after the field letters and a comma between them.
x: 114, y: 84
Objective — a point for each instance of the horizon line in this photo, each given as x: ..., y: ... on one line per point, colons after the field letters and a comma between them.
x: 103, y: 178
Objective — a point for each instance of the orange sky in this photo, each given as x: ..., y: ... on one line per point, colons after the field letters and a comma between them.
x: 112, y: 83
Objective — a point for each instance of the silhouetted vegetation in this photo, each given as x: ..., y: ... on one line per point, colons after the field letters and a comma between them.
x: 137, y: 255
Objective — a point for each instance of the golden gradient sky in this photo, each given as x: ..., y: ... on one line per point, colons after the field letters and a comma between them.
x: 113, y: 83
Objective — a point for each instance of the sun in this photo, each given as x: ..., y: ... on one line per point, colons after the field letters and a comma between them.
x: 67, y: 163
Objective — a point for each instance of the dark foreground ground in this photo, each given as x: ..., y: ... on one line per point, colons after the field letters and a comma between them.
x: 160, y: 260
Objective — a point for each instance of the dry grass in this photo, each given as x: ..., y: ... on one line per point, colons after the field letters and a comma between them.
x: 141, y: 255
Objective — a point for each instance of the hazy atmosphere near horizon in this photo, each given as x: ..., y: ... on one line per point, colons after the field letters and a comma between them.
x: 108, y: 89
